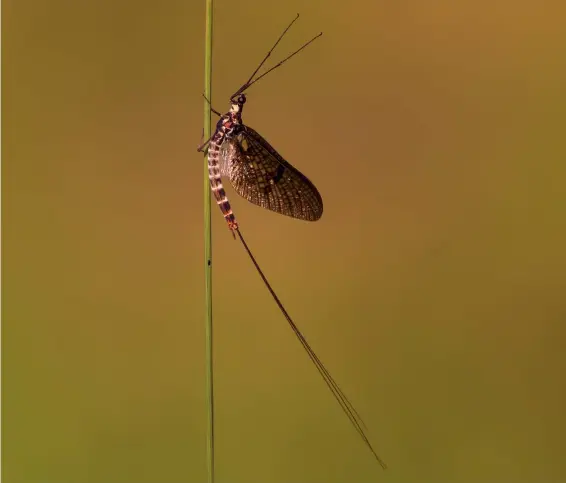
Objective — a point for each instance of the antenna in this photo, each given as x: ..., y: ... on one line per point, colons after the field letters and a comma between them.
x: 250, y: 82
x: 271, y: 50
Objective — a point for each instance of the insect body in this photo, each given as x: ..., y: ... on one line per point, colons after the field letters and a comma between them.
x: 257, y: 172
x: 225, y: 128
x: 255, y: 169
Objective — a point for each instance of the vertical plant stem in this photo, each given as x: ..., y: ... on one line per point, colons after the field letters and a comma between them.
x: 208, y: 249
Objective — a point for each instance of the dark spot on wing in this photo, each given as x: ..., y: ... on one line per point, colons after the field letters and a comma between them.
x: 279, y: 173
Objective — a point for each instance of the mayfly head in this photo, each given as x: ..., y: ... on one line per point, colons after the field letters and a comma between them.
x: 238, y: 103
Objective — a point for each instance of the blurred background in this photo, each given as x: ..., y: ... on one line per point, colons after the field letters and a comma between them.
x: 432, y: 288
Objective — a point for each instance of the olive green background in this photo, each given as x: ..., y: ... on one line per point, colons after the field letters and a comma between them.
x: 433, y: 287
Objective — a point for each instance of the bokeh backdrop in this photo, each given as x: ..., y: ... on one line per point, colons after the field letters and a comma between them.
x: 433, y: 287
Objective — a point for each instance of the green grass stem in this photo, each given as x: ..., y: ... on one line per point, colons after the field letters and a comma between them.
x: 208, y: 249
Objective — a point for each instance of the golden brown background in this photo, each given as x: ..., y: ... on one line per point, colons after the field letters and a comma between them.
x: 433, y: 287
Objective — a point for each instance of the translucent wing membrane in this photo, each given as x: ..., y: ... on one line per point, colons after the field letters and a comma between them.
x: 260, y: 175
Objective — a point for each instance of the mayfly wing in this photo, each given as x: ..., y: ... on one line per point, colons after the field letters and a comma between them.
x: 259, y: 174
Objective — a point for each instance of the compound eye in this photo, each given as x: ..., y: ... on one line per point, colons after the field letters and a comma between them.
x: 242, y: 99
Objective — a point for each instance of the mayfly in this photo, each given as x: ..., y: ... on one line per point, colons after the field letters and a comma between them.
x: 261, y: 175
x: 255, y: 169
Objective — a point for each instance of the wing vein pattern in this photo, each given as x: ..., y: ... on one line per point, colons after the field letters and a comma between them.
x: 259, y: 174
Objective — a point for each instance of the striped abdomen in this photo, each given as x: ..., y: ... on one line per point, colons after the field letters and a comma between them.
x: 216, y: 182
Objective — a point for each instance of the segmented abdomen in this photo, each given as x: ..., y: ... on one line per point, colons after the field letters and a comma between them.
x: 216, y: 182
